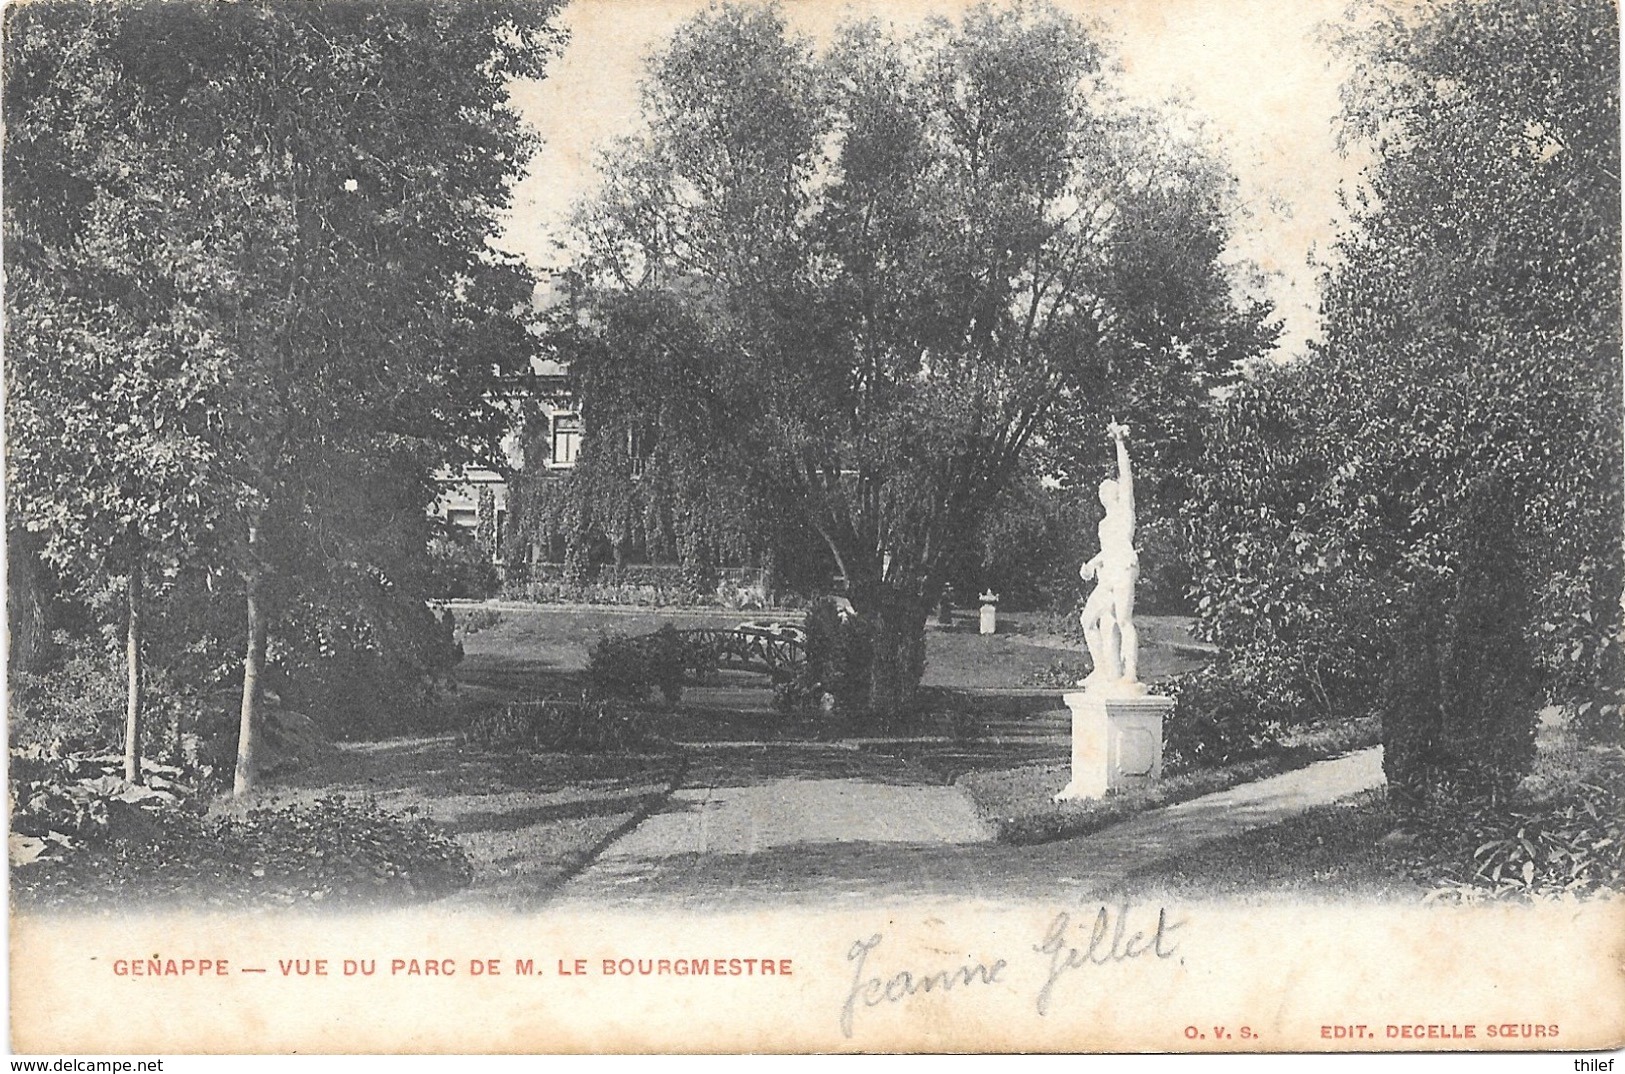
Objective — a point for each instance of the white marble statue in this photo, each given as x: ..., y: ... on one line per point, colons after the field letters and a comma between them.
x: 1108, y: 614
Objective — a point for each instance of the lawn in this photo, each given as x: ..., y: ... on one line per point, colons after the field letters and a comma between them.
x: 1024, y: 654
x: 530, y: 646
x: 527, y: 821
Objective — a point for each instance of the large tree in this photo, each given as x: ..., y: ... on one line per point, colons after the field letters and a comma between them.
x: 1437, y: 493
x: 857, y: 284
x: 325, y: 177
x: 110, y: 461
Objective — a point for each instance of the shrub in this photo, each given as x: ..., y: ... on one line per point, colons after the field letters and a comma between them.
x: 1219, y: 719
x: 64, y: 799
x: 362, y: 675
x: 1463, y: 686
x: 1572, y: 843
x: 562, y: 726
x: 840, y: 653
x: 577, y: 591
x: 474, y: 620
x: 77, y: 701
x: 81, y: 834
x: 628, y: 667
x: 797, y: 695
x: 330, y: 851
x: 667, y: 585
x: 459, y: 569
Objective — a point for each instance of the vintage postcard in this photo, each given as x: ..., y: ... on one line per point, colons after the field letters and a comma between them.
x: 657, y: 526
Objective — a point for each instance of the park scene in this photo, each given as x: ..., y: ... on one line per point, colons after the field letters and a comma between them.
x: 504, y: 455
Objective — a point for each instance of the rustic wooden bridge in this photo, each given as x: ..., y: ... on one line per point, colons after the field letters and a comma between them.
x: 779, y: 654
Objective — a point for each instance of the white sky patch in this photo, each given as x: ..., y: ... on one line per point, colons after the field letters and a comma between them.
x: 1258, y: 70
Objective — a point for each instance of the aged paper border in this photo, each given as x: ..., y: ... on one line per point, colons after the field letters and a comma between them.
x: 1236, y: 979
x: 1266, y: 978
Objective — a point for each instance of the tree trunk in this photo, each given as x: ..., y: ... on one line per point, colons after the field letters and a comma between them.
x: 25, y: 606
x: 132, y: 661
x: 897, y: 618
x: 253, y: 666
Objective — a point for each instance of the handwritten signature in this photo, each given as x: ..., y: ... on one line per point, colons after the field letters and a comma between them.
x: 1108, y: 940
x: 1099, y: 952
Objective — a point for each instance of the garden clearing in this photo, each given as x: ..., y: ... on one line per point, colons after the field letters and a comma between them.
x: 804, y: 805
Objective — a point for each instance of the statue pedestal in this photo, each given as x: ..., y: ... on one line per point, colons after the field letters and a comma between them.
x: 1116, y: 738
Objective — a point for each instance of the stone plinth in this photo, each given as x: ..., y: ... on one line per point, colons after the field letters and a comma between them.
x: 1116, y: 739
x: 990, y: 613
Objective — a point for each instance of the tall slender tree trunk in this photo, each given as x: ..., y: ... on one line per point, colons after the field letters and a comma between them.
x: 132, y: 661
x: 25, y: 605
x: 253, y: 667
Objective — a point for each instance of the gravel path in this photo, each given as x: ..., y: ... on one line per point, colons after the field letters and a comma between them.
x: 767, y: 825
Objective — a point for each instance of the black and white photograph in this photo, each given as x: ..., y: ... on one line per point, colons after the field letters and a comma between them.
x: 914, y: 526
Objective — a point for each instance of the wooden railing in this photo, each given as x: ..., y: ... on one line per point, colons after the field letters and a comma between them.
x: 744, y: 650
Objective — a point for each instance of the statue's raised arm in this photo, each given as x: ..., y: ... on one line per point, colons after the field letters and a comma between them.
x: 1125, y: 473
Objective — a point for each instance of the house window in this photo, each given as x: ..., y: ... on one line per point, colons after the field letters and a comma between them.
x: 566, y: 440
x: 639, y: 446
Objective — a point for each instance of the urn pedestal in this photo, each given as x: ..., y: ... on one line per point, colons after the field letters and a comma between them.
x: 1116, y: 739
x: 989, y: 623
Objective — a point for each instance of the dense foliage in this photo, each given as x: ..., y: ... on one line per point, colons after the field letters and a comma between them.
x: 834, y: 680
x: 630, y: 666
x: 853, y: 287
x: 250, y: 304
x: 562, y: 725
x: 82, y: 835
x: 1569, y: 844
x: 1218, y: 720
x: 1424, y: 516
x: 459, y: 569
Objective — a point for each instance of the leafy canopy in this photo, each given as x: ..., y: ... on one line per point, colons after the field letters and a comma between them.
x: 860, y: 282
x: 1471, y: 357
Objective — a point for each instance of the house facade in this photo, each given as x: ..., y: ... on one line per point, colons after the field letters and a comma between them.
x: 475, y: 500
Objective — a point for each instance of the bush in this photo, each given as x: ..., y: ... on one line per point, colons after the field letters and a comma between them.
x: 331, y: 851
x: 81, y: 834
x: 1463, y: 687
x: 649, y: 585
x: 797, y: 695
x: 568, y: 591
x: 76, y: 704
x: 628, y: 667
x: 361, y: 676
x: 459, y: 570
x: 1218, y: 720
x: 77, y: 701
x: 1572, y: 843
x: 60, y: 800
x: 473, y: 620
x: 840, y: 653
x: 562, y: 726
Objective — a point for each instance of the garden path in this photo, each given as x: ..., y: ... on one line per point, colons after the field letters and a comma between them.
x: 775, y: 824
